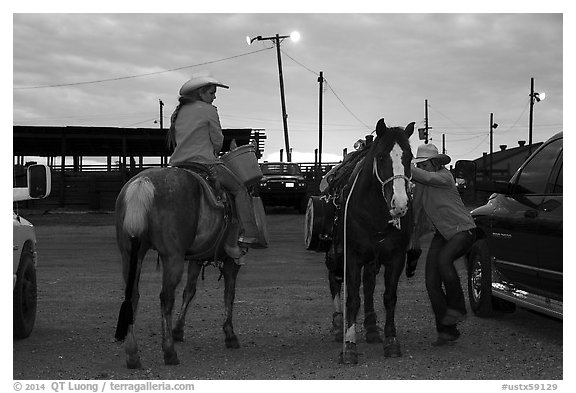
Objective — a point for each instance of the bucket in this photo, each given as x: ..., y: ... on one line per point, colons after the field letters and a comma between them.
x: 243, y: 163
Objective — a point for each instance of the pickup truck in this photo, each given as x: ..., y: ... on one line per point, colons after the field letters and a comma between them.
x: 283, y: 185
x: 38, y: 185
x: 517, y: 259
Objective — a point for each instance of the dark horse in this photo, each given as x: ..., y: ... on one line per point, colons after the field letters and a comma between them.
x: 373, y: 229
x: 172, y: 211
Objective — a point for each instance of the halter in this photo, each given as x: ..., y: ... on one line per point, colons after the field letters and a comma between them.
x: 384, y: 182
x: 395, y: 220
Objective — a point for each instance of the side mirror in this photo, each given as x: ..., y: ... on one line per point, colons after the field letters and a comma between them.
x: 39, y: 181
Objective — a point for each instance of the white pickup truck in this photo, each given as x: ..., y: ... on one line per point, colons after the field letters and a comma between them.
x: 38, y: 181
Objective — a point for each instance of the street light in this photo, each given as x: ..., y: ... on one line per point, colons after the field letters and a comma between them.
x: 277, y: 40
x: 493, y: 126
x: 534, y: 97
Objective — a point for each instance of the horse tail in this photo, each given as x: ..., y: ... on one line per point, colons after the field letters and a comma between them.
x: 138, y: 200
x: 126, y: 315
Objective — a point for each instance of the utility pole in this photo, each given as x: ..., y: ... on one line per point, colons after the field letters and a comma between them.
x: 320, y: 94
x: 282, y: 99
x: 531, y: 116
x: 426, y: 128
x: 443, y: 143
x: 161, y: 115
x: 277, y: 39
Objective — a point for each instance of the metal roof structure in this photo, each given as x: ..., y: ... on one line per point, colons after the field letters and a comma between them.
x: 50, y: 141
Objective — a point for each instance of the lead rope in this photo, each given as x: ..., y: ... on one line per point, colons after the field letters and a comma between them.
x: 345, y: 293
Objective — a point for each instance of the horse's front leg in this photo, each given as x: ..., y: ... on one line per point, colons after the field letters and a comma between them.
x: 350, y: 355
x: 194, y: 269
x: 230, y: 271
x: 173, y: 267
x: 391, y: 277
x: 370, y: 272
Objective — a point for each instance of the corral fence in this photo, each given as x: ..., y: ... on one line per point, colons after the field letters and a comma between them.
x: 96, y: 187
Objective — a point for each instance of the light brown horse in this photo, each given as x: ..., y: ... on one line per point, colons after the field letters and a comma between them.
x: 169, y: 210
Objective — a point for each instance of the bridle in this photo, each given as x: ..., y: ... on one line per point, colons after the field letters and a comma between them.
x: 388, y: 180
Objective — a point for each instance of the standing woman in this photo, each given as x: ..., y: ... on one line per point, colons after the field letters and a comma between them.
x: 196, y: 136
x: 437, y: 198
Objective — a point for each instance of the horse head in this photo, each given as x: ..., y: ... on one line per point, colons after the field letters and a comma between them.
x: 391, y: 159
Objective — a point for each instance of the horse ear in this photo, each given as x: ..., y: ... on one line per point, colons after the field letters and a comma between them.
x: 380, y: 127
x: 409, y: 129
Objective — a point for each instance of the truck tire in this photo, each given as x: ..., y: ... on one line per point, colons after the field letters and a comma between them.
x: 480, y: 279
x: 25, y: 296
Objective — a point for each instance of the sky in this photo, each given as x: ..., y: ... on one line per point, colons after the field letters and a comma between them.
x: 112, y: 69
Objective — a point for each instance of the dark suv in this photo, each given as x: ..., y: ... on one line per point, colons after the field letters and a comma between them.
x: 283, y: 185
x: 517, y: 258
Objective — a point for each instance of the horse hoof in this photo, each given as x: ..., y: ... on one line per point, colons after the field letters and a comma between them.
x: 373, y: 337
x: 133, y: 363
x: 349, y: 356
x: 392, y: 348
x: 178, y: 335
x: 171, y: 359
x: 232, y: 342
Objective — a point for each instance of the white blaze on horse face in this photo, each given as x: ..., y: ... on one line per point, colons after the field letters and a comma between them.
x: 399, y: 202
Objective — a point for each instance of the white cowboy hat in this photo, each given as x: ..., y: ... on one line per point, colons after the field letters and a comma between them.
x: 429, y: 151
x: 198, y: 81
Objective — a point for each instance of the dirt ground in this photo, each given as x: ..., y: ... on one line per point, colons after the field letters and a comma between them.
x: 282, y: 318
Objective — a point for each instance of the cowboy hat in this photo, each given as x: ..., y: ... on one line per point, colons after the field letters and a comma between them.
x: 429, y: 151
x: 198, y: 81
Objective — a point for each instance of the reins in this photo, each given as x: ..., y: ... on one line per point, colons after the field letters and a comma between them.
x: 345, y: 295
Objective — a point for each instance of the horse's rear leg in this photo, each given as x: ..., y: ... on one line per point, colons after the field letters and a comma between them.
x: 173, y: 267
x: 337, y: 319
x: 391, y: 277
x: 194, y: 269
x: 230, y: 272
x: 370, y: 320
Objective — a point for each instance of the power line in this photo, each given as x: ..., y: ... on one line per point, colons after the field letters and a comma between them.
x: 329, y: 87
x: 139, y: 75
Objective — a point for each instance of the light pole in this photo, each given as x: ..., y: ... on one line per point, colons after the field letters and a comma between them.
x: 534, y: 96
x: 277, y: 40
x: 492, y: 127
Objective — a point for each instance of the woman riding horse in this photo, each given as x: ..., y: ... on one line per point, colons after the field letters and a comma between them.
x: 173, y: 211
x: 197, y: 138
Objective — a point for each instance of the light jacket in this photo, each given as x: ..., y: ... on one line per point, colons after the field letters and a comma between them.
x: 439, y: 199
x: 198, y: 134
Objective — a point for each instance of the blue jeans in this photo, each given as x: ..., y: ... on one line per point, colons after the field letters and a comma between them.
x: 440, y: 271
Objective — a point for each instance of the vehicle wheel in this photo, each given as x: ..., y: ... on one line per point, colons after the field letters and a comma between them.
x: 480, y: 279
x: 25, y: 296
